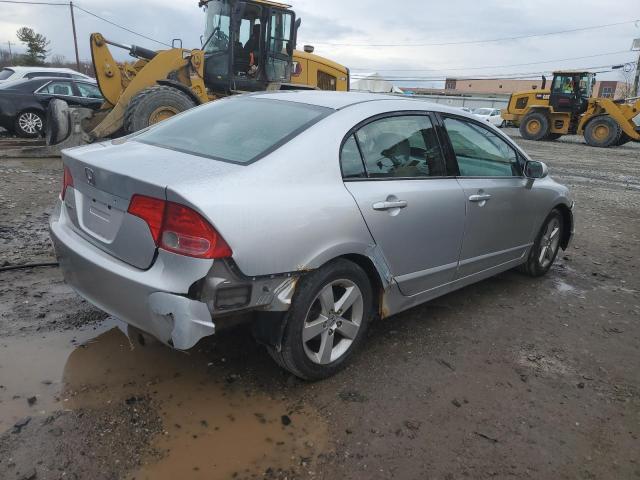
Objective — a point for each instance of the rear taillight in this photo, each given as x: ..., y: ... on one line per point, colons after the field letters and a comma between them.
x: 151, y: 210
x: 67, y: 181
x: 179, y: 229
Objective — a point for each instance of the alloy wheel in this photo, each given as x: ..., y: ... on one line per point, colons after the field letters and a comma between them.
x: 333, y: 321
x: 549, y: 243
x: 30, y: 123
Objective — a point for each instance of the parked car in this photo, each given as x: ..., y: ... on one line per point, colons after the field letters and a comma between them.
x: 491, y: 115
x: 466, y: 109
x: 316, y: 211
x: 10, y: 74
x: 23, y: 103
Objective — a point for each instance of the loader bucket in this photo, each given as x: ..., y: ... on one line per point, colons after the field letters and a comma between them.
x: 63, y: 127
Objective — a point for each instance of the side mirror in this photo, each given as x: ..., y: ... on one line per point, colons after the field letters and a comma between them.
x: 533, y: 169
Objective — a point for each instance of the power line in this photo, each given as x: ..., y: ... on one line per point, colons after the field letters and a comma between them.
x: 75, y: 5
x: 469, y: 42
x: 120, y: 26
x: 488, y: 66
x: 58, y: 4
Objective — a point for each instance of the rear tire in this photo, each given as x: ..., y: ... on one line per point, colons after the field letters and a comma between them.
x: 546, y: 246
x: 602, y: 131
x: 154, y: 104
x: 29, y: 124
x: 315, y: 321
x: 535, y: 126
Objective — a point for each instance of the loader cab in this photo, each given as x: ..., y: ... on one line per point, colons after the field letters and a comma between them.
x: 570, y: 91
x: 248, y: 45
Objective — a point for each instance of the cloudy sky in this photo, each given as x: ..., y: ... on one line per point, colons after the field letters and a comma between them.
x: 380, y: 36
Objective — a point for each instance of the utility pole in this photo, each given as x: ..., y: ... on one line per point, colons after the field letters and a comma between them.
x: 10, y: 54
x: 636, y: 46
x: 75, y: 37
x: 636, y: 80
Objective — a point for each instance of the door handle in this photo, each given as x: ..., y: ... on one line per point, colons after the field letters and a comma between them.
x: 480, y: 197
x: 388, y: 205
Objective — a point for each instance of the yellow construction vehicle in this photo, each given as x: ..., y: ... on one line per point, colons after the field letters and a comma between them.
x: 567, y: 108
x: 248, y: 46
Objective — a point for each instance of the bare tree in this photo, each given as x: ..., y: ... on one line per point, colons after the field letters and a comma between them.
x: 626, y: 89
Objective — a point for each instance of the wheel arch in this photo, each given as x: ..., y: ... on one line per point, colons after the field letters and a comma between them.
x: 567, y: 223
x: 182, y: 87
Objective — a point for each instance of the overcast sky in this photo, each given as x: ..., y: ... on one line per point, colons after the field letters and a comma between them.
x: 326, y: 23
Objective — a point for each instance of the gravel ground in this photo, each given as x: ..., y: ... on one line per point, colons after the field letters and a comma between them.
x: 508, y: 378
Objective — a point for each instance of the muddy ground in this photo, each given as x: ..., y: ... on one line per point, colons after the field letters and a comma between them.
x: 509, y: 378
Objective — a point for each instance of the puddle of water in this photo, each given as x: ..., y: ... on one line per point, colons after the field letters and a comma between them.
x: 212, y: 428
x: 32, y: 366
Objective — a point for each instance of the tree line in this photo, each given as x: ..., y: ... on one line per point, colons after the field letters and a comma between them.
x: 37, y: 52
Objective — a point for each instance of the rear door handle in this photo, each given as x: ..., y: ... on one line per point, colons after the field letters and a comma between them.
x: 388, y: 205
x: 480, y: 197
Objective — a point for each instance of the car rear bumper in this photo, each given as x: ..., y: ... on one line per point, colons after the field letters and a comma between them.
x: 152, y: 300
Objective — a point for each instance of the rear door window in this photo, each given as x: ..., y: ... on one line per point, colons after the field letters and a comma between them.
x: 350, y: 160
x: 88, y: 91
x: 480, y: 152
x: 237, y: 130
x: 401, y: 146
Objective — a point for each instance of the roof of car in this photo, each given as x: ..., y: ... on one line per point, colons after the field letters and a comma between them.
x: 43, y: 69
x: 340, y: 100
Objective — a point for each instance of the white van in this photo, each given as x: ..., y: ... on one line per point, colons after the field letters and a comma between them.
x: 10, y: 74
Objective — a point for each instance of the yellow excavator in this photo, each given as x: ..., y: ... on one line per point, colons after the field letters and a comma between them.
x: 248, y: 46
x: 567, y: 108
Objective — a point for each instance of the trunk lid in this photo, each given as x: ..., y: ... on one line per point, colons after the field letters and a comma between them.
x: 107, y: 175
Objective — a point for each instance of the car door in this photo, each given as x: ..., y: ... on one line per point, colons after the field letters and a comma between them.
x: 394, y: 168
x: 500, y: 213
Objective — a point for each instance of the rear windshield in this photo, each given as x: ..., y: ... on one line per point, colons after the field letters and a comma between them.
x: 238, y: 130
x: 6, y: 73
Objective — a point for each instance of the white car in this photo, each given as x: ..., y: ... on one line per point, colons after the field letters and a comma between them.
x: 491, y: 115
x: 10, y: 74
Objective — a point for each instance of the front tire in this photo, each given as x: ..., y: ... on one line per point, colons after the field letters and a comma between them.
x: 29, y: 124
x: 328, y: 318
x: 602, y: 131
x: 535, y: 126
x: 546, y: 246
x: 154, y: 104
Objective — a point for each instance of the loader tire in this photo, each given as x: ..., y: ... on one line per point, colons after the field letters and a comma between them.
x: 602, y: 131
x: 154, y: 104
x: 56, y: 127
x: 535, y: 126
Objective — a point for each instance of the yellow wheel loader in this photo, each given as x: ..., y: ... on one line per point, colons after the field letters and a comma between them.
x: 248, y: 46
x: 567, y: 108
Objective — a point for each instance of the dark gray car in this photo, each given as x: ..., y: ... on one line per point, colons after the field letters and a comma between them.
x: 314, y: 211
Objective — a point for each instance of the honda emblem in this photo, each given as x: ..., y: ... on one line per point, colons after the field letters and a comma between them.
x: 91, y: 178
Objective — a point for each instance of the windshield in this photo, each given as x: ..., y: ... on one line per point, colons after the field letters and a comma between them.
x: 483, y: 111
x: 216, y: 33
x: 238, y: 130
x: 6, y: 73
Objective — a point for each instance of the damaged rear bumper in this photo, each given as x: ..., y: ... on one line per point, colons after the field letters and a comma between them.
x: 152, y: 300
x: 176, y: 300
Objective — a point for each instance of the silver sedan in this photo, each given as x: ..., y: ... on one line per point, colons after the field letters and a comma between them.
x: 310, y: 212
